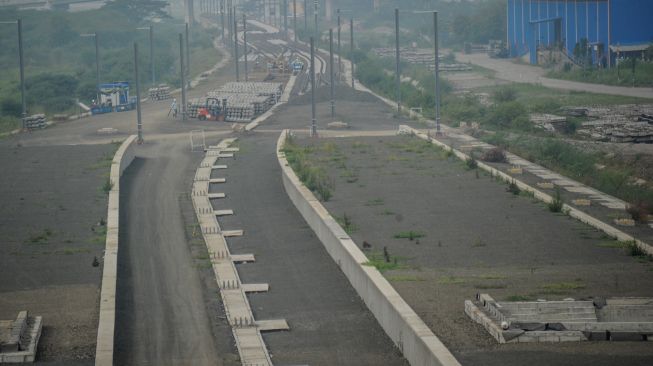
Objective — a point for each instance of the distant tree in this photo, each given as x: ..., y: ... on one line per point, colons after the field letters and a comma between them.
x: 139, y: 10
x: 648, y: 53
x: 59, y: 32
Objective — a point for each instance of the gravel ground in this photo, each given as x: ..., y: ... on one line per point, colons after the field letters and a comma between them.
x: 477, y: 238
x: 52, y: 203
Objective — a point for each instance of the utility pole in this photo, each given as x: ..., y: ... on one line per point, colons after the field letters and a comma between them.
x: 152, y: 55
x: 222, y: 20
x: 305, y: 16
x: 294, y: 18
x: 236, y: 45
x: 398, y: 62
x: 351, y: 45
x: 285, y: 18
x: 333, y: 98
x: 245, y: 44
x: 437, y: 74
x: 317, y: 31
x: 183, y: 78
x: 97, y: 62
x: 187, y: 56
x: 139, y: 122
x: 313, y: 120
x: 21, y: 61
x: 339, y: 54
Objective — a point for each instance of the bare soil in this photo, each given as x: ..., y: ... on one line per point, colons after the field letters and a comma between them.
x: 477, y: 237
x: 51, y: 213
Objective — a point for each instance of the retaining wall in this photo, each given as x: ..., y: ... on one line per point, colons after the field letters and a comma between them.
x: 409, y: 333
x: 104, y: 347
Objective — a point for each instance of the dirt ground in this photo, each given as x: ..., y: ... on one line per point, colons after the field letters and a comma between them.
x: 52, y: 203
x: 477, y: 237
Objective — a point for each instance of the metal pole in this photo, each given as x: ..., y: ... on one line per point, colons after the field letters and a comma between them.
x: 21, y: 61
x: 339, y: 54
x: 152, y: 54
x: 97, y: 67
x: 437, y: 74
x: 138, y: 96
x: 285, y: 18
x: 398, y: 62
x: 294, y: 18
x: 333, y: 100
x: 317, y: 39
x: 236, y: 45
x: 245, y: 44
x: 183, y: 78
x: 313, y: 120
x: 305, y: 16
x: 351, y: 45
x: 222, y: 20
x: 187, y: 56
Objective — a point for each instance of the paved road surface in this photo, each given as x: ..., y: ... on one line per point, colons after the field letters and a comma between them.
x: 519, y: 73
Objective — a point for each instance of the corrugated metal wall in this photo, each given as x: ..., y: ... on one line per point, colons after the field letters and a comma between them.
x: 544, y: 23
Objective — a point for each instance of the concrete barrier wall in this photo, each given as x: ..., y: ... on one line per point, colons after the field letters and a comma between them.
x: 104, y: 346
x: 409, y: 333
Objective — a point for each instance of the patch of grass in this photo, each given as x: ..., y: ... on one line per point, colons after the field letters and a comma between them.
x: 315, y: 178
x: 479, y: 243
x: 71, y: 251
x: 470, y: 163
x: 556, y: 204
x: 100, y: 236
x: 41, y: 238
x: 345, y: 223
x: 103, y: 163
x: 491, y: 276
x: 635, y: 250
x: 404, y: 278
x: 451, y: 280
x: 561, y: 288
x: 513, y: 188
x: 410, y: 235
x: 519, y: 298
x: 107, y: 186
x: 375, y: 202
x: 485, y: 286
x: 383, y: 263
x: 387, y: 212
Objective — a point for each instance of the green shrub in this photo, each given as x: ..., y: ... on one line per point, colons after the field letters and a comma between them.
x: 556, y: 204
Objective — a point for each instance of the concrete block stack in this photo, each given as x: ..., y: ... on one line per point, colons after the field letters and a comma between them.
x: 35, y: 121
x: 162, y: 92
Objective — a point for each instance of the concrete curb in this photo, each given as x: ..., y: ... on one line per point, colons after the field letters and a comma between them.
x: 408, y: 332
x: 104, y: 346
x: 571, y: 211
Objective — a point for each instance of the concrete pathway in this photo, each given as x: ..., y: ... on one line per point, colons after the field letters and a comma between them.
x: 507, y: 70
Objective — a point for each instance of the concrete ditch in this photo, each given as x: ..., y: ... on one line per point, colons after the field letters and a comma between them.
x: 106, y: 326
x: 409, y: 333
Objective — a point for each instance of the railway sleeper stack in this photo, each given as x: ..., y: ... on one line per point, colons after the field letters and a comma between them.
x: 34, y: 122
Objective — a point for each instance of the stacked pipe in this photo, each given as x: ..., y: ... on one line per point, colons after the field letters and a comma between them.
x: 256, y: 88
x: 161, y: 92
x: 34, y: 121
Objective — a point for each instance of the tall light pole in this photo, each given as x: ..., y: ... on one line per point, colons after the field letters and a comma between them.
x: 315, y: 5
x: 139, y: 122
x: 245, y: 43
x: 236, y: 44
x: 222, y: 20
x: 313, y: 119
x: 19, y: 24
x: 285, y: 18
x: 351, y: 46
x: 182, y: 71
x: 339, y: 54
x: 294, y: 18
x: 333, y: 100
x: 398, y: 62
x: 187, y: 56
x: 150, y: 28
x: 97, y: 64
x: 437, y: 74
x: 305, y: 16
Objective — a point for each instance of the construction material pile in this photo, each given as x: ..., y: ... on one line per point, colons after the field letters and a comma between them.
x: 34, y: 122
x: 161, y: 92
x: 549, y: 122
x: 244, y: 100
x: 628, y: 123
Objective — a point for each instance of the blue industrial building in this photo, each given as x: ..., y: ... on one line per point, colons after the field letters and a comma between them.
x: 611, y: 28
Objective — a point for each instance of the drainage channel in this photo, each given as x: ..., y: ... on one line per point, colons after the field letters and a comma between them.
x: 246, y: 330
